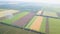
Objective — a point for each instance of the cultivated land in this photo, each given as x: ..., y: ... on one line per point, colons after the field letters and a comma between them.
x: 36, y: 25
x: 52, y: 14
x: 30, y: 18
x: 26, y: 22
x: 16, y: 17
x: 40, y: 26
x: 43, y: 25
x: 5, y: 29
x: 31, y: 21
x: 54, y: 26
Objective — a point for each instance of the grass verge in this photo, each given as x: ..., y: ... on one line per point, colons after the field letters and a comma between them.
x: 43, y: 25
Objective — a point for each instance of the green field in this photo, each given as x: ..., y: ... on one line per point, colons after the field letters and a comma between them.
x: 16, y: 17
x: 54, y: 26
x: 48, y: 13
x: 4, y: 29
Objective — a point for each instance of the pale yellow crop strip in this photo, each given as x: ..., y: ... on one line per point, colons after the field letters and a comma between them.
x: 37, y: 23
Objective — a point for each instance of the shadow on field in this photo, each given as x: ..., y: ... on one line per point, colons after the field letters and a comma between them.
x: 5, y: 27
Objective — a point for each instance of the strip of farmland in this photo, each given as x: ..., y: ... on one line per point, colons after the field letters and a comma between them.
x: 24, y: 20
x: 33, y: 19
x: 54, y: 26
x: 42, y: 28
x: 36, y: 24
x: 16, y: 17
x: 43, y: 25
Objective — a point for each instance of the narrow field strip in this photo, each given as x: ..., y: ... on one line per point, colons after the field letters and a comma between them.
x: 36, y: 24
x: 16, y: 17
x: 24, y: 20
x: 33, y: 19
x: 43, y: 25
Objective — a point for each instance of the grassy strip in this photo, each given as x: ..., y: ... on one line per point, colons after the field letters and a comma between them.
x: 42, y: 29
x: 16, y: 17
x: 54, y: 25
x: 31, y: 22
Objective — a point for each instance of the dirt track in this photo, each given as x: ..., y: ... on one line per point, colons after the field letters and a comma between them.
x: 24, y: 20
x: 47, y: 26
x: 37, y: 23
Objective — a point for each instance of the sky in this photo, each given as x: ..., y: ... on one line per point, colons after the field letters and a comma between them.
x: 36, y: 1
